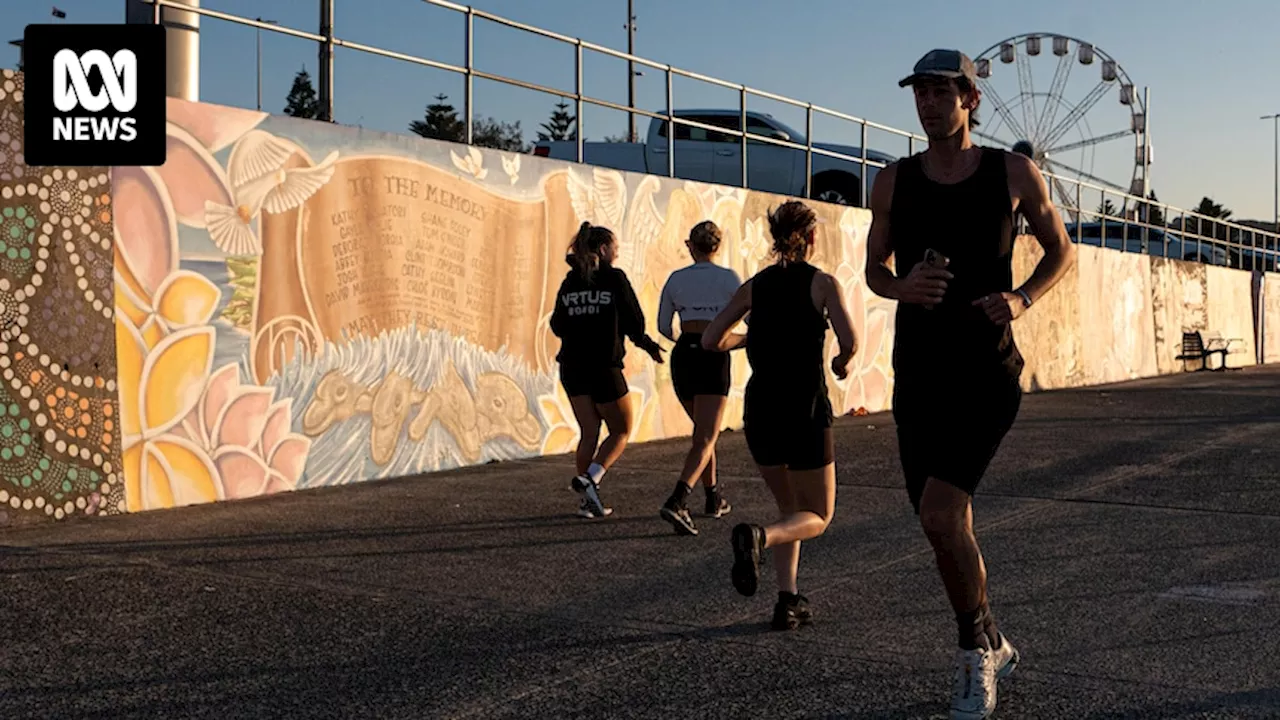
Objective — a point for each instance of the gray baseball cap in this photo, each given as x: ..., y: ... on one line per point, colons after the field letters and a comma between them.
x: 949, y: 64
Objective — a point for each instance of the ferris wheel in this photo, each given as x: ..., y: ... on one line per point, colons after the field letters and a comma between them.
x: 1064, y: 129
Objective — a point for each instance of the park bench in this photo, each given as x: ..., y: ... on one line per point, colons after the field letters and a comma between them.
x: 1195, y: 347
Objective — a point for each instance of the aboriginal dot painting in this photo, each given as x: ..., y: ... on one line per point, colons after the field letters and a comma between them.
x: 59, y: 424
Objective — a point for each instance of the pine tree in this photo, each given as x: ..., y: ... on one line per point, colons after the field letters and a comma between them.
x: 302, y: 100
x: 560, y: 126
x: 440, y: 123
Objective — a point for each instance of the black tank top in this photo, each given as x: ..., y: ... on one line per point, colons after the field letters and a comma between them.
x: 785, y: 339
x: 970, y: 222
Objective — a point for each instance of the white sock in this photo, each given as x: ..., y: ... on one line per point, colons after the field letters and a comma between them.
x: 595, y: 471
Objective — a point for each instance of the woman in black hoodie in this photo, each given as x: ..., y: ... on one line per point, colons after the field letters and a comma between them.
x: 596, y: 309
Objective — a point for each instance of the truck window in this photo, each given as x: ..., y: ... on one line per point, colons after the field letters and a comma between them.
x: 687, y: 132
x: 760, y: 127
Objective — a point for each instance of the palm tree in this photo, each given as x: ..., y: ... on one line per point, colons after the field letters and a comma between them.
x: 1209, y: 208
x: 1207, y: 228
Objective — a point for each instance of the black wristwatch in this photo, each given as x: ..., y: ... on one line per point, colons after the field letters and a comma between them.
x: 1026, y: 299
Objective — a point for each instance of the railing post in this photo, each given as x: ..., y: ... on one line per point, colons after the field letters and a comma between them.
x: 1079, y: 216
x: 468, y: 99
x: 155, y: 13
x: 326, y: 61
x: 577, y: 96
x: 1183, y: 223
x: 862, y: 181
x: 1124, y: 233
x: 808, y: 152
x: 671, y: 126
x: 742, y: 125
x: 1102, y: 219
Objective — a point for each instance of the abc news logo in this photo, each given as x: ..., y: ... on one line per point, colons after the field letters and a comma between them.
x: 95, y: 95
x: 71, y: 91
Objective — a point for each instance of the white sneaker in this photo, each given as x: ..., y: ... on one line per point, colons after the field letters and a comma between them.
x: 974, y: 694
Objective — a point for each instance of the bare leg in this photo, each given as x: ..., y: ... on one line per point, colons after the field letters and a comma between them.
x: 946, y: 514
x: 786, y: 556
x: 806, y: 501
x: 617, y: 418
x: 589, y: 431
x: 707, y: 413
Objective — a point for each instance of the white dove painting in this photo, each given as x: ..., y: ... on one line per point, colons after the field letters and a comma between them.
x: 511, y: 166
x: 260, y: 182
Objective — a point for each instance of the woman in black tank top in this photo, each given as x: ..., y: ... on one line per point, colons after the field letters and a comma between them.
x: 788, y: 416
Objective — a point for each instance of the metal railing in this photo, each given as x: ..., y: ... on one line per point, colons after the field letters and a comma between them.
x: 1194, y: 236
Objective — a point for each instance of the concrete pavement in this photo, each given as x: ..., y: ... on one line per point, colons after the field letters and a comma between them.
x: 1130, y: 533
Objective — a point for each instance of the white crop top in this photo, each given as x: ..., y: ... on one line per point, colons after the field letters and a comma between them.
x: 698, y: 292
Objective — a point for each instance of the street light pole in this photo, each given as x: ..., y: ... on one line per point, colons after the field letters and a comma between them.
x: 1275, y: 121
x: 259, y: 30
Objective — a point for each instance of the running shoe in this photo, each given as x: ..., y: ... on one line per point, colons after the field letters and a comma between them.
x: 590, y: 492
x: 748, y: 552
x: 585, y: 511
x: 678, y: 516
x: 717, y: 505
x: 791, y: 613
x: 974, y: 694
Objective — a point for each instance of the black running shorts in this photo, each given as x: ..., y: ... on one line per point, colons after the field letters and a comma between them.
x: 695, y: 371
x: 797, y: 436
x: 602, y: 384
x: 952, y: 434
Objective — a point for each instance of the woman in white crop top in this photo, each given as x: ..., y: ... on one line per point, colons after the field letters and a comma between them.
x: 701, y: 377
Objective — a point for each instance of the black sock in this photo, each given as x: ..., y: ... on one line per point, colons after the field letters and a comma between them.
x: 679, y: 494
x: 788, y: 598
x: 990, y: 630
x: 712, y: 490
x: 977, y: 629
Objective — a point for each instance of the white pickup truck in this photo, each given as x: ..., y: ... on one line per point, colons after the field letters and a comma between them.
x: 714, y: 157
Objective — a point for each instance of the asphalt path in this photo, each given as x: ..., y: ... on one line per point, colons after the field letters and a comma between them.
x: 1130, y: 533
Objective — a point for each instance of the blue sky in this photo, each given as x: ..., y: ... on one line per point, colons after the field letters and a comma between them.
x: 1210, y: 66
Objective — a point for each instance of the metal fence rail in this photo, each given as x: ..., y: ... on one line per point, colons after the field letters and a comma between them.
x: 1194, y: 236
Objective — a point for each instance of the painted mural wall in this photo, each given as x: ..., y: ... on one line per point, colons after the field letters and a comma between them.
x: 288, y: 304
x: 299, y: 305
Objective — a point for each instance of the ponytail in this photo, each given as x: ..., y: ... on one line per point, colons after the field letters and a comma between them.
x: 790, y: 224
x: 585, y: 249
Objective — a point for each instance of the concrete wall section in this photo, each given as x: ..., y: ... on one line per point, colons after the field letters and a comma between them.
x: 1049, y: 335
x: 1116, y: 312
x: 1271, y: 318
x: 1180, y: 301
x: 1231, y: 313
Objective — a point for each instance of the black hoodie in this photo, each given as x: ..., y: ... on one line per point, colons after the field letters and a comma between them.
x: 592, y: 318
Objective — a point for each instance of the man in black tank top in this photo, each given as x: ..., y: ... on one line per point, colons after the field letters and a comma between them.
x: 946, y: 218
